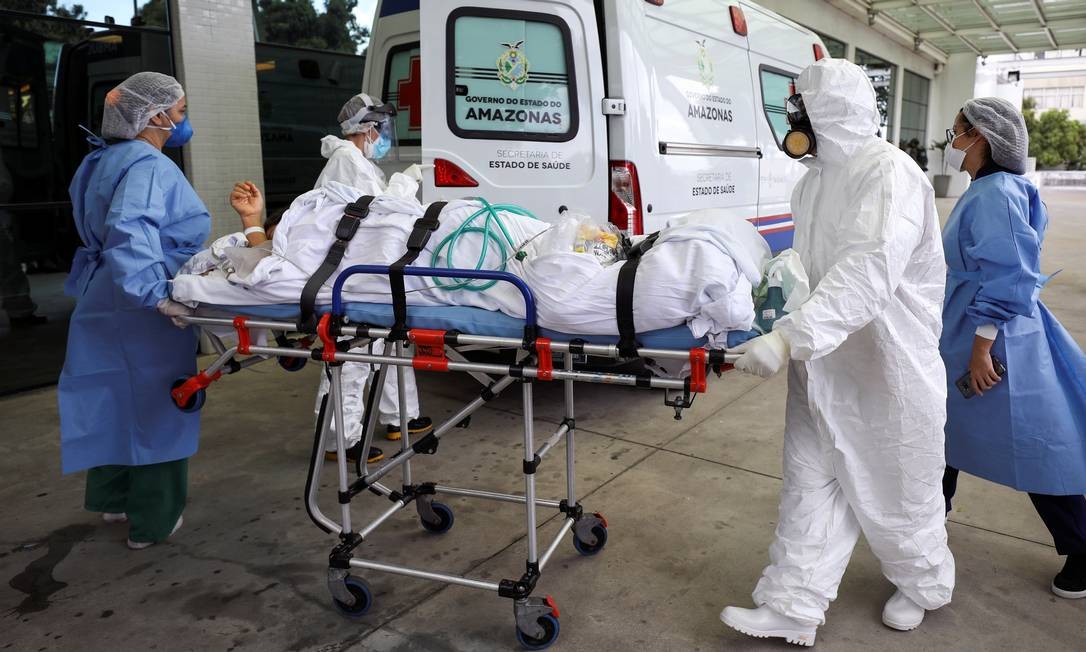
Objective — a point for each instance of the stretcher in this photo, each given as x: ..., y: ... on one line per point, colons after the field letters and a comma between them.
x: 435, y: 339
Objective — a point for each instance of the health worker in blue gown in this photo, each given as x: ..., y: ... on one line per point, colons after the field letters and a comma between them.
x: 1024, y: 423
x: 139, y: 220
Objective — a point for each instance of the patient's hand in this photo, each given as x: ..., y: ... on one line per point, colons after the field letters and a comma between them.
x: 247, y: 200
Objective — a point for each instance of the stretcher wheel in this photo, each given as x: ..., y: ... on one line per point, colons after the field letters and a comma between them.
x: 363, y: 598
x: 292, y: 364
x: 588, y: 550
x: 195, y: 402
x: 550, y: 634
x: 445, y: 514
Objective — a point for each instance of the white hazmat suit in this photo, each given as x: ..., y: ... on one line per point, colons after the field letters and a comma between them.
x: 863, y: 440
x: 347, y: 165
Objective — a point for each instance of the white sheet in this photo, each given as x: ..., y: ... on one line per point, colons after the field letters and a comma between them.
x: 700, y: 274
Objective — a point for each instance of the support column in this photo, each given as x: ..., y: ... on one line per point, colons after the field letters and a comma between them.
x: 216, y: 64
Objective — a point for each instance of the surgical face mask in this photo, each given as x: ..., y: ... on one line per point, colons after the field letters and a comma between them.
x: 955, y: 158
x: 377, y: 149
x: 180, y: 132
x: 800, y: 139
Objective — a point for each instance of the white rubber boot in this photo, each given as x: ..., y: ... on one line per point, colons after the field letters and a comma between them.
x: 901, y: 613
x: 114, y: 517
x: 763, y: 622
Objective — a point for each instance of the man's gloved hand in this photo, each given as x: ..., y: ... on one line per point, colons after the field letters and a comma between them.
x: 763, y: 356
x: 413, y: 171
x: 174, y: 311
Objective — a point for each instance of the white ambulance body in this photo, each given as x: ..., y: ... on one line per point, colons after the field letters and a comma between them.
x: 636, y: 111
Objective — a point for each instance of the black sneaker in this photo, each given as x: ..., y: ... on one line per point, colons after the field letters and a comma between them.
x: 1070, y: 583
x: 415, y: 428
x: 353, y: 453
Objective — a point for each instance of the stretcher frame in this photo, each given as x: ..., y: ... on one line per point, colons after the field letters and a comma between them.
x: 536, y: 618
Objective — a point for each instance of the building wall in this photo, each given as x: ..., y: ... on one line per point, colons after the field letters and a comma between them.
x: 956, y: 83
x: 1071, y: 84
x: 213, y: 48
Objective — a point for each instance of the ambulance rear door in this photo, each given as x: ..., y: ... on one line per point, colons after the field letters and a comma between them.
x: 394, y: 74
x: 512, y: 95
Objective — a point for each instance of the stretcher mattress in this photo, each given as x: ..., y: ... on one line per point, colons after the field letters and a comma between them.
x: 476, y: 321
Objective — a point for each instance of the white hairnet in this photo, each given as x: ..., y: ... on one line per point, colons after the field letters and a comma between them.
x: 840, y: 102
x: 352, y: 114
x: 1002, y: 125
x: 133, y: 102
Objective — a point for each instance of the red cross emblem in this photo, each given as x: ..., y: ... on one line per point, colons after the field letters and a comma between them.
x: 409, y: 95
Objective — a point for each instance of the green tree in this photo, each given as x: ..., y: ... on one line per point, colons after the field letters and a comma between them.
x: 1054, y: 138
x: 153, y: 13
x: 298, y: 23
x: 53, y: 31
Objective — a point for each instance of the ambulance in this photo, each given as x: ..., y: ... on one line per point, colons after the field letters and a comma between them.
x: 633, y: 111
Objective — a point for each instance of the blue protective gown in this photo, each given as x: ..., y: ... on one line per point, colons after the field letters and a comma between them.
x: 139, y: 220
x: 1029, y: 431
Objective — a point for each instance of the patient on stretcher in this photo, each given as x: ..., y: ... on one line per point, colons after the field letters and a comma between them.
x: 700, y: 274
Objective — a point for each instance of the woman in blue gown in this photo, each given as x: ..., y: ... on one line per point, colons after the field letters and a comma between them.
x: 139, y: 220
x: 1024, y: 427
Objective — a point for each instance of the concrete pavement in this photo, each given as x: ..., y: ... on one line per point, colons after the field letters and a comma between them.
x: 691, y: 505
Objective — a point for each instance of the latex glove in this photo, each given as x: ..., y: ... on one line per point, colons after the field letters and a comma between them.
x: 175, y: 311
x: 763, y: 356
x: 413, y: 171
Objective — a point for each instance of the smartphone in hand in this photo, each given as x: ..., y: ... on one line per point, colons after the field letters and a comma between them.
x: 965, y: 385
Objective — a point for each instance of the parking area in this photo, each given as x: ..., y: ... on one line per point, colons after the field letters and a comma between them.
x: 691, y: 505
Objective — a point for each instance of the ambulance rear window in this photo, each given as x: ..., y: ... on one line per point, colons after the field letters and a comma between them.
x: 403, y: 89
x: 510, y: 76
x: 777, y: 86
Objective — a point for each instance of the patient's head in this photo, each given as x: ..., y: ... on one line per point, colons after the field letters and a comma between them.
x: 272, y: 221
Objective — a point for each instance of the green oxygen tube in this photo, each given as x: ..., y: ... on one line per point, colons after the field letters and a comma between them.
x: 493, y: 229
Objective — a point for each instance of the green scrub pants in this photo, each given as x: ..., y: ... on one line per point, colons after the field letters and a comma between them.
x: 153, y: 496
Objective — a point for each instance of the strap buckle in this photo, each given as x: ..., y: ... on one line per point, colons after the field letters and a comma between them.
x: 347, y: 227
x: 420, y: 233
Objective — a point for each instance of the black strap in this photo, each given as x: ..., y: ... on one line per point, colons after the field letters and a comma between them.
x: 416, y: 242
x: 624, y: 295
x: 345, y: 230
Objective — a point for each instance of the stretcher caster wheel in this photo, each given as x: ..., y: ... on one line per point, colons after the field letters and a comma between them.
x: 445, y: 514
x: 292, y: 364
x: 588, y: 549
x: 363, y: 598
x: 550, y: 634
x: 195, y: 402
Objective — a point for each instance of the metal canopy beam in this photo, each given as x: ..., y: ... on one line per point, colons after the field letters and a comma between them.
x: 1009, y: 28
x: 994, y: 25
x: 1044, y: 23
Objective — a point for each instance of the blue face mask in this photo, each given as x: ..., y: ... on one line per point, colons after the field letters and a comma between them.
x: 381, y: 147
x: 180, y: 134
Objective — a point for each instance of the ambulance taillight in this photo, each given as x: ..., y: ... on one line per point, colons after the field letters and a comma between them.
x: 625, y: 198
x: 450, y: 175
x: 739, y: 20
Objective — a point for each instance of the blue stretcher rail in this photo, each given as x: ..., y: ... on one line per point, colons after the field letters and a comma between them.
x: 473, y: 274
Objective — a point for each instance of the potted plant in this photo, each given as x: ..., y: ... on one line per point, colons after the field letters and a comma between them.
x: 941, y: 182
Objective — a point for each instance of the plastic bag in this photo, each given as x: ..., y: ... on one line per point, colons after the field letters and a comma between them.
x: 784, y: 288
x: 559, y: 237
x: 578, y: 233
x: 600, y: 241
